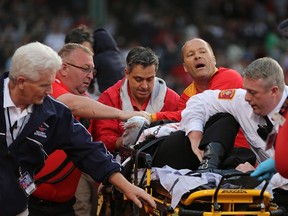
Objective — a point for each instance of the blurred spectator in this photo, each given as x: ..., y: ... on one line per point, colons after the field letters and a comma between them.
x: 250, y: 25
x: 55, y: 38
x: 108, y: 61
x: 82, y: 35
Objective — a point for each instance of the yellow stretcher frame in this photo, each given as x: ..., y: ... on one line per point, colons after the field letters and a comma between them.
x: 219, y: 201
x: 222, y: 201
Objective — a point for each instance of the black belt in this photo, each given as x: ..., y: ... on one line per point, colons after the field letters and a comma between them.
x: 51, y: 203
x: 281, y: 198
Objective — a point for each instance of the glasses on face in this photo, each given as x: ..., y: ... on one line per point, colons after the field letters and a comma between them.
x: 85, y: 70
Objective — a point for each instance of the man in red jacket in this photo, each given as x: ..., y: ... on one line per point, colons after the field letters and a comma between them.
x: 200, y: 62
x: 139, y: 90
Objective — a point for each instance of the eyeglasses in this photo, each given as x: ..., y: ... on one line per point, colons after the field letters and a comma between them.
x: 85, y: 70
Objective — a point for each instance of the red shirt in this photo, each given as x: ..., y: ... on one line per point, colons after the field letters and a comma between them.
x: 59, y: 88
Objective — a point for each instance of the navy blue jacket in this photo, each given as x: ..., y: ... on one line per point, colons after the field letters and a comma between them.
x: 52, y: 125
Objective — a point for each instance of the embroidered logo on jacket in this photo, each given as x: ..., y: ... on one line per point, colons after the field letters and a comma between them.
x: 41, y: 131
x: 226, y: 94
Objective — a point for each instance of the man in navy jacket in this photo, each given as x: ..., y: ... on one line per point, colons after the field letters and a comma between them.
x: 33, y: 125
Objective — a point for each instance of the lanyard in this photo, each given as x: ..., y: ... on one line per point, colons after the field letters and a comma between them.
x: 14, y: 126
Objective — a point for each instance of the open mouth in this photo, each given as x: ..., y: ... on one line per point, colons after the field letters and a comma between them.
x: 200, y: 65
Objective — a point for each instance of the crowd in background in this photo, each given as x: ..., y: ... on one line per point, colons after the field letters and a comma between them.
x: 238, y: 30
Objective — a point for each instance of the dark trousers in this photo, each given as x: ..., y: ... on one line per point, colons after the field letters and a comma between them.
x: 175, y: 151
x: 281, y: 199
x: 39, y: 207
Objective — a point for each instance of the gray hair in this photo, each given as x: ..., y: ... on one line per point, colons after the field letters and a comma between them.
x: 33, y: 58
x: 68, y: 48
x: 141, y: 56
x: 267, y: 69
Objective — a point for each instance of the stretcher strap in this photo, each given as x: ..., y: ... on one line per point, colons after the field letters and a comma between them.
x: 153, y: 142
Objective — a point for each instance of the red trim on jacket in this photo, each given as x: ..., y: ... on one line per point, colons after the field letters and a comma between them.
x: 281, y: 149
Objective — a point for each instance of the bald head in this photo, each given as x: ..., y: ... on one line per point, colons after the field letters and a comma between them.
x: 193, y: 41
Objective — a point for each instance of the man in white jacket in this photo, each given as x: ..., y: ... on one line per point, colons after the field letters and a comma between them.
x: 264, y: 94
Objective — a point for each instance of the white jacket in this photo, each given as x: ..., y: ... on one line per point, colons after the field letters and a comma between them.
x: 201, y: 107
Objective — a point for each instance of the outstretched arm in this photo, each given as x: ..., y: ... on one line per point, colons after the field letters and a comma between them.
x: 86, y: 107
x: 131, y: 191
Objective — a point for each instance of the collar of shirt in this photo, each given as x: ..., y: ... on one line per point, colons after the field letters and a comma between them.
x: 279, y: 105
x: 135, y: 107
x: 7, y: 101
x: 62, y: 84
x: 15, y: 114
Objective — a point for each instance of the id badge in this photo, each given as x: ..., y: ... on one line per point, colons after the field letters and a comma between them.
x: 27, y: 184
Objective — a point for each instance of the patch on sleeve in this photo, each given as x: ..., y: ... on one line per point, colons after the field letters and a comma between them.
x: 226, y: 94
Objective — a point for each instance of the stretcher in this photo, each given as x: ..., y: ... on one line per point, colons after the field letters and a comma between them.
x: 203, y: 201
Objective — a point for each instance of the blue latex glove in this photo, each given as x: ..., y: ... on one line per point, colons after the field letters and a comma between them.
x: 265, y: 170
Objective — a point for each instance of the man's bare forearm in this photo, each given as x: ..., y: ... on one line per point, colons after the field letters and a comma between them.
x: 86, y: 107
x: 195, y: 138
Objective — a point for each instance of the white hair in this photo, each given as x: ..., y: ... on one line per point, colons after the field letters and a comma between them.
x: 33, y: 58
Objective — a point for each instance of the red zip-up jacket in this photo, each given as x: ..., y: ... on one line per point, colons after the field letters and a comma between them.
x: 109, y: 130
